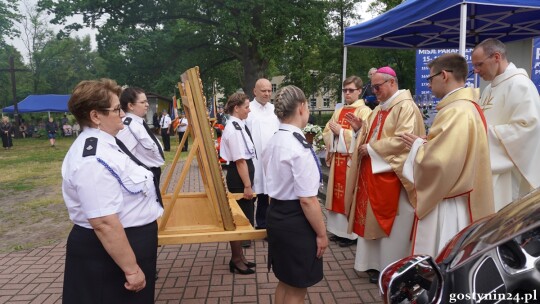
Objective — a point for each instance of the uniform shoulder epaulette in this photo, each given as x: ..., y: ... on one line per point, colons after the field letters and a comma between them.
x: 236, y: 125
x: 127, y: 121
x: 90, y: 147
x: 301, y: 139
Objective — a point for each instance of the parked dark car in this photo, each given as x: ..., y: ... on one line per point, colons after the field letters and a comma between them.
x: 494, y: 260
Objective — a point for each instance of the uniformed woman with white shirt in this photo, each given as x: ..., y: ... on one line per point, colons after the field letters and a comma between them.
x: 136, y: 135
x: 111, y: 250
x: 237, y: 148
x: 296, y: 230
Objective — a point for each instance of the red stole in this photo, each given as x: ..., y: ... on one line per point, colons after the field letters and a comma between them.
x: 340, y: 168
x: 380, y: 190
x: 481, y: 114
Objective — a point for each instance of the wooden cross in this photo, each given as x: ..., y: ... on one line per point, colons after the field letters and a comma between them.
x: 12, y: 71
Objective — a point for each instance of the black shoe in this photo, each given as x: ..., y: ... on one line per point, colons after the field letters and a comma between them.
x: 250, y: 264
x: 334, y: 238
x: 373, y: 276
x: 233, y: 268
x: 346, y: 242
x: 246, y: 244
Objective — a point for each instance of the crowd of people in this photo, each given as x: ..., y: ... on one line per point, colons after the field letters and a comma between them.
x: 34, y: 129
x: 392, y: 191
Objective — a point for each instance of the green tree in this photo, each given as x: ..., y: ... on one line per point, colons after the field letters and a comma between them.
x: 65, y: 62
x: 360, y: 60
x: 381, y: 6
x: 152, y: 40
x: 21, y: 78
x: 8, y: 16
x: 35, y: 34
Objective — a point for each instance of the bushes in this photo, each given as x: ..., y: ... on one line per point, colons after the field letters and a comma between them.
x: 322, y: 116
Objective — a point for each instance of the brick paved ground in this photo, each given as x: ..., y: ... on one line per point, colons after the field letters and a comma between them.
x: 195, y: 273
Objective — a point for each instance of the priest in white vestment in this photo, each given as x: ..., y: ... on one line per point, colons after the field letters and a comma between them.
x: 450, y: 169
x: 340, y: 143
x: 263, y: 123
x: 511, y: 106
x: 382, y: 199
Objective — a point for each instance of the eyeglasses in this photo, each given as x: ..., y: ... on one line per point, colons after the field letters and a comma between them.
x: 479, y: 64
x: 376, y: 87
x: 430, y: 78
x: 117, y: 110
x: 143, y: 102
x: 348, y: 90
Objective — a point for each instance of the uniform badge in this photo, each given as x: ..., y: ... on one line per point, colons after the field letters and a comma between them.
x: 302, y: 140
x: 127, y: 121
x: 90, y: 147
x: 236, y: 125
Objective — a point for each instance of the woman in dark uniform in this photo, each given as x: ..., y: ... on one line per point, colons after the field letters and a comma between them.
x: 237, y: 148
x: 296, y: 230
x: 111, y: 199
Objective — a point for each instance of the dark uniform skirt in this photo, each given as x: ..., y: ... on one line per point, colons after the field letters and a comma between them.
x: 91, y: 276
x: 235, y: 185
x: 292, y: 245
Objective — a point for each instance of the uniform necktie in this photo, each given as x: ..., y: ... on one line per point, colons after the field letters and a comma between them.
x: 248, y: 133
x: 304, y: 143
x: 153, y: 137
x: 251, y: 138
x: 128, y: 153
x: 138, y: 162
x: 318, y: 162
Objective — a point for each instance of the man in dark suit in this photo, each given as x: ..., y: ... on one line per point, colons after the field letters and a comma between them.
x: 221, y: 117
x: 164, y: 124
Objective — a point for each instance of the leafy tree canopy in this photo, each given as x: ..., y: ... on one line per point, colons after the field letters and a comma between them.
x: 8, y: 16
x: 147, y: 43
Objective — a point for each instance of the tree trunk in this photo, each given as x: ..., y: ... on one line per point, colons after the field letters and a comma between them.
x: 254, y: 68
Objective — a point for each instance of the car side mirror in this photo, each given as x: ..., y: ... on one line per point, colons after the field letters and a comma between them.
x: 415, y: 279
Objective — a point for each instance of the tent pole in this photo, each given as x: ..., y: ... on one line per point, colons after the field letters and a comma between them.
x: 463, y: 29
x: 344, y: 73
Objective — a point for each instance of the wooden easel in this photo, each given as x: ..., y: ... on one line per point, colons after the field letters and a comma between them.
x: 201, y: 217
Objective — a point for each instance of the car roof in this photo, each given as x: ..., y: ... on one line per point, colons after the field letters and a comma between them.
x: 516, y: 218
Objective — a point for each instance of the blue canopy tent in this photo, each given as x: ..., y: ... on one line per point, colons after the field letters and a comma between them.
x: 41, y: 103
x: 438, y: 24
x: 446, y: 24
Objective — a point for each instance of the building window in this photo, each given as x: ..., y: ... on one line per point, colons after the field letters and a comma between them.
x: 313, y: 103
x: 274, y: 87
x: 326, y: 102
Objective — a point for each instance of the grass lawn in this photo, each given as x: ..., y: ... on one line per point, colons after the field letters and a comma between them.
x: 32, y: 211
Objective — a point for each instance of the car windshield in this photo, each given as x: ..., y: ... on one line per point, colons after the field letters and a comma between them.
x: 516, y: 218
